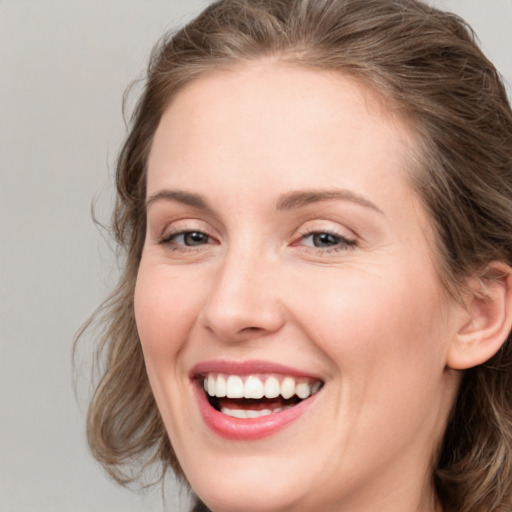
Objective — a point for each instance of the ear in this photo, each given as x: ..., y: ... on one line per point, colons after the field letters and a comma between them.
x: 488, y: 319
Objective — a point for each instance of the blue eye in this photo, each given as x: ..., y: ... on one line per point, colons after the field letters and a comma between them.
x: 187, y: 238
x: 326, y: 240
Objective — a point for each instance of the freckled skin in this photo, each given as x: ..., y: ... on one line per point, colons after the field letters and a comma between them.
x: 363, y: 307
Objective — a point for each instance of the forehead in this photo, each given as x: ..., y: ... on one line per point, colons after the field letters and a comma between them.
x: 270, y: 120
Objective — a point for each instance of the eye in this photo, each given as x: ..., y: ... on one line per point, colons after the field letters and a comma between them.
x: 326, y: 240
x: 187, y: 238
x: 321, y: 240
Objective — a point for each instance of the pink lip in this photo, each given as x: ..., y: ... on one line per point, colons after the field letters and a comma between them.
x: 246, y: 368
x: 239, y: 429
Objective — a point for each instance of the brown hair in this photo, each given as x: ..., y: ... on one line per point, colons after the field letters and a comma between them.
x: 426, y: 63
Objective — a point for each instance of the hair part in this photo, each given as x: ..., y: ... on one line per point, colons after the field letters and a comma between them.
x: 426, y: 64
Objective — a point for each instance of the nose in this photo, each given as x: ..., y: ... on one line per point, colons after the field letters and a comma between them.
x: 243, y: 301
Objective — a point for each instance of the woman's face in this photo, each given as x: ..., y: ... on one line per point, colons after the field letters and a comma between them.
x: 287, y: 256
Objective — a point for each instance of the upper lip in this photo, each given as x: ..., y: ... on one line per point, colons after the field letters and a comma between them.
x: 247, y: 368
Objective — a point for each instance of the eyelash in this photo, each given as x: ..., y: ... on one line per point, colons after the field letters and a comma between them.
x: 342, y: 244
x: 169, y: 238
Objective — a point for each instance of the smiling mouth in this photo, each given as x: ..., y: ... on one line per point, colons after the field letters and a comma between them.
x: 253, y: 396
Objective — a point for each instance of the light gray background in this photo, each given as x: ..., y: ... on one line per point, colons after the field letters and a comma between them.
x: 63, y: 67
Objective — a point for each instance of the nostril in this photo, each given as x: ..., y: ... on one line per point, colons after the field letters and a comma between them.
x: 234, y: 320
x: 248, y: 330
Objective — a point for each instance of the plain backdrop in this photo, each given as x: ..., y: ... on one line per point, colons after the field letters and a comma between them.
x: 64, y: 65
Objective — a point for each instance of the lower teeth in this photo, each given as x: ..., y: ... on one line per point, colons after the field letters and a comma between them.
x: 251, y: 408
x: 250, y: 413
x: 241, y: 413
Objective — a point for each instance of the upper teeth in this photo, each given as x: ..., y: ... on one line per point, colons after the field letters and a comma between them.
x: 234, y: 386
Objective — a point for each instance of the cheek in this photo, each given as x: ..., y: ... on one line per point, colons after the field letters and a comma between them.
x: 386, y: 342
x: 164, y: 312
x: 375, y: 322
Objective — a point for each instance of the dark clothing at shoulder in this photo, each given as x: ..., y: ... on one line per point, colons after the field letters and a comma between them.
x: 200, y: 507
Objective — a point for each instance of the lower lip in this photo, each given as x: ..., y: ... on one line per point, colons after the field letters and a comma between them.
x: 247, y: 429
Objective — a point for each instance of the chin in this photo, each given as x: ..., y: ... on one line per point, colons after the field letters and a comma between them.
x: 262, y: 482
x: 250, y: 494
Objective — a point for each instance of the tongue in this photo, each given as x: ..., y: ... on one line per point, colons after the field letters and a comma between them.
x: 256, y: 405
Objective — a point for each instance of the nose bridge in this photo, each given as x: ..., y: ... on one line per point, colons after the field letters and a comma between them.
x: 243, y: 298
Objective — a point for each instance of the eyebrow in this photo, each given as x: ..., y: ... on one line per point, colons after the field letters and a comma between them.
x: 292, y: 200
x: 288, y: 201
x: 179, y: 196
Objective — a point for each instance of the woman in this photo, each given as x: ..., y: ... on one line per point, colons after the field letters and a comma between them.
x: 315, y: 204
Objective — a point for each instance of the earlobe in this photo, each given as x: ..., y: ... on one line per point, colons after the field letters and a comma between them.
x: 490, y: 318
